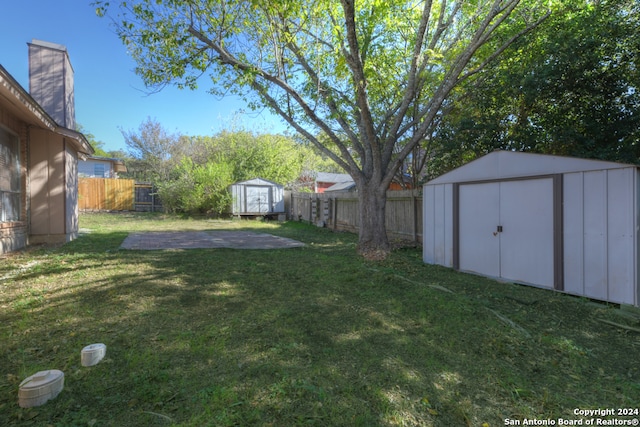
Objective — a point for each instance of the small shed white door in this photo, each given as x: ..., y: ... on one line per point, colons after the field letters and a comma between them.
x: 258, y: 199
x: 506, y: 230
x: 479, y: 218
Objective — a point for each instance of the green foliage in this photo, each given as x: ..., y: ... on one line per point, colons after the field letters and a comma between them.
x: 570, y: 88
x: 150, y: 150
x: 98, y: 146
x: 200, y: 169
x: 276, y: 158
x: 198, y: 188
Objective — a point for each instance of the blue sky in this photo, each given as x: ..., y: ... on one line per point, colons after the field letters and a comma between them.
x: 109, y: 96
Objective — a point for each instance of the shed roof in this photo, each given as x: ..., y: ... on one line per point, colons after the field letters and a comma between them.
x: 513, y: 164
x: 258, y: 181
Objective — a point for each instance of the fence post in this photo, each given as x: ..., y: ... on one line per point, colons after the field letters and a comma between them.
x: 334, y: 213
x: 320, y: 211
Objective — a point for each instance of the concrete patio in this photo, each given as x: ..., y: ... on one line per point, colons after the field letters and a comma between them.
x: 206, y: 240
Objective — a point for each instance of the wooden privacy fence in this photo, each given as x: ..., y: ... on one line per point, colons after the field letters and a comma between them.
x: 339, y: 211
x: 105, y: 194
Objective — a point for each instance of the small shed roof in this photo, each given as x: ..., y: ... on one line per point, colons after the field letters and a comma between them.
x: 257, y: 181
x: 513, y: 164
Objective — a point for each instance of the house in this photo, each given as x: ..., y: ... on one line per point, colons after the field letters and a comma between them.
x: 100, y: 167
x: 39, y: 152
x: 346, y: 186
x: 560, y: 223
x: 341, y: 182
x: 326, y: 180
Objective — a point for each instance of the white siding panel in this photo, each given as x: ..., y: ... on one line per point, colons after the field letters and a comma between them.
x: 448, y: 224
x: 439, y: 232
x: 595, y: 235
x: 238, y: 199
x: 620, y: 241
x: 85, y: 168
x: 429, y: 205
x: 278, y: 198
x: 88, y: 168
x: 573, y: 227
x: 438, y: 224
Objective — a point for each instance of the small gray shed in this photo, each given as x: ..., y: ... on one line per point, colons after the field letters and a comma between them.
x: 554, y: 222
x: 257, y: 197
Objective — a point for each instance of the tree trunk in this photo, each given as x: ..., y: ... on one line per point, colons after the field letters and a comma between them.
x: 373, y: 243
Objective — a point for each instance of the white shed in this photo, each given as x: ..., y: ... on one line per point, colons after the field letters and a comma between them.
x: 555, y: 222
x: 257, y: 197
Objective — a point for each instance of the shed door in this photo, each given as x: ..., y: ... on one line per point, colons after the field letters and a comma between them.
x: 258, y: 199
x: 506, y: 230
x: 479, y: 216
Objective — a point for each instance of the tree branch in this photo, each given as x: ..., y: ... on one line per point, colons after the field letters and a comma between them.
x: 228, y: 59
x: 366, y: 125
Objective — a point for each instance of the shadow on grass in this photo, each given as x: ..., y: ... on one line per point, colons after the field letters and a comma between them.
x: 305, y: 336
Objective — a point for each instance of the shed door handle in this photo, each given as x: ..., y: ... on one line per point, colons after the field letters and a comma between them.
x: 499, y: 229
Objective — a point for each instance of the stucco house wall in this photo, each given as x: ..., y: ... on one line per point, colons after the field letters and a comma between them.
x: 48, y: 157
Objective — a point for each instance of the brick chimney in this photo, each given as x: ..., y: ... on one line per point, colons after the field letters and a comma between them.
x: 51, y: 81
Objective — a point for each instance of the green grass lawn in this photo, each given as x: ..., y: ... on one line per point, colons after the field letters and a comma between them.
x: 304, y: 336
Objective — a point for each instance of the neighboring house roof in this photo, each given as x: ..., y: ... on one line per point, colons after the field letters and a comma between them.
x: 333, y: 177
x: 341, y: 186
x: 20, y: 103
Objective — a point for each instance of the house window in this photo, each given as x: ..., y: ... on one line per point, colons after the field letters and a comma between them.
x: 98, y: 170
x: 9, y: 177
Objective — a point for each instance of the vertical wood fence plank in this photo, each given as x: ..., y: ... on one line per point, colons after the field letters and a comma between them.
x: 105, y: 194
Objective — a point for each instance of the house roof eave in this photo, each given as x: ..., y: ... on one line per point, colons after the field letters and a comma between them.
x: 78, y: 140
x: 22, y: 104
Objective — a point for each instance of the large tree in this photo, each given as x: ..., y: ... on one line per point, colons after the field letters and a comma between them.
x: 150, y: 150
x: 362, y: 80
